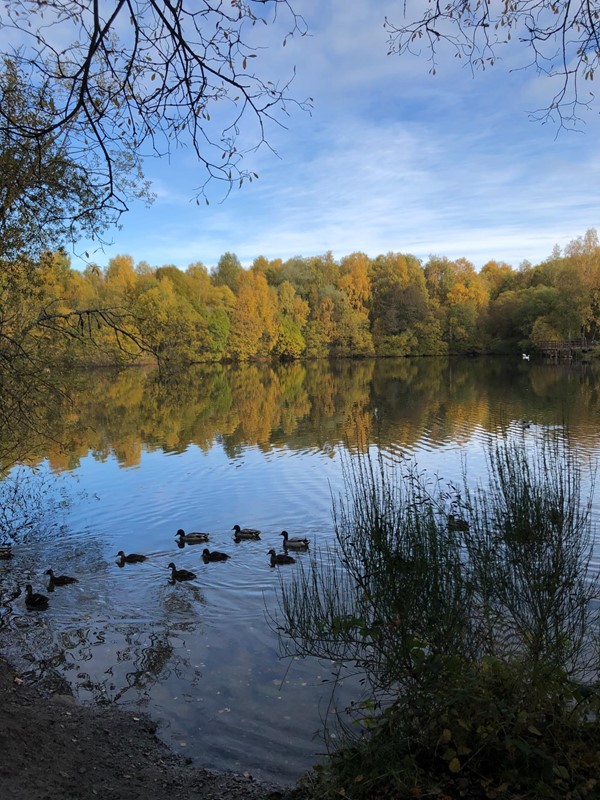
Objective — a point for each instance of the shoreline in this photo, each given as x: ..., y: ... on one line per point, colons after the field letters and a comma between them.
x: 52, y: 748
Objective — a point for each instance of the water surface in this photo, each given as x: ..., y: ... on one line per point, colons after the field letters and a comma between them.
x: 258, y: 446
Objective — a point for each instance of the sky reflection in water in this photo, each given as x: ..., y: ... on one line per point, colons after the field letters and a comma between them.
x: 264, y: 450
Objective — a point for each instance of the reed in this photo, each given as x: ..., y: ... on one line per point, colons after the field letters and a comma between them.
x: 478, y: 641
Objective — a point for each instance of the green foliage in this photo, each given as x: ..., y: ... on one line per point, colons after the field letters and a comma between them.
x: 48, y: 196
x: 228, y: 272
x: 303, y: 308
x: 478, y: 639
x: 290, y: 342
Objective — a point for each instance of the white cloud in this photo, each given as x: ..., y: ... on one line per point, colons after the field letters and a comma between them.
x: 391, y: 159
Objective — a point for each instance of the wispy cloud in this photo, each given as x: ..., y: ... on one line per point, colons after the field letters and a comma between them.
x: 391, y: 159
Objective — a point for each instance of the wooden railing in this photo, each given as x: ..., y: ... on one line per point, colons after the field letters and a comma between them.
x: 558, y: 347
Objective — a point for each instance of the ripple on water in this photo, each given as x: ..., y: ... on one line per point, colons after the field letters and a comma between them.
x: 204, y: 656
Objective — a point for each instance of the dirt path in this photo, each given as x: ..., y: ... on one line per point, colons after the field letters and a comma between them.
x: 53, y: 749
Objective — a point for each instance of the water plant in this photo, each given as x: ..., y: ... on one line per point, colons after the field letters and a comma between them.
x: 478, y: 643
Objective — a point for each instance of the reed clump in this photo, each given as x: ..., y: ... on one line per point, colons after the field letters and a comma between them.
x: 477, y: 642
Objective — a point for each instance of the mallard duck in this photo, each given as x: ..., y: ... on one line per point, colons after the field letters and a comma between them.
x: 214, y: 556
x: 181, y: 574
x: 191, y: 538
x: 280, y: 558
x: 132, y: 558
x: 5, y: 551
x: 457, y: 523
x: 59, y: 580
x: 34, y: 601
x: 294, y: 544
x: 245, y: 533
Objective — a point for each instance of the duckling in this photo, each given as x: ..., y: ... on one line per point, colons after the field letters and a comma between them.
x: 191, y: 538
x: 59, y: 580
x: 280, y: 558
x: 132, y: 558
x: 35, y: 601
x: 457, y: 523
x: 245, y: 533
x: 180, y: 574
x: 214, y: 556
x: 293, y: 544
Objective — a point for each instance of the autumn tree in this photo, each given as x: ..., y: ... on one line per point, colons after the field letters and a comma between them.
x: 354, y: 334
x: 583, y: 256
x: 293, y: 315
x: 498, y: 277
x: 253, y: 319
x: 270, y: 269
x: 462, y: 297
x: 228, y: 272
x: 47, y: 196
x: 399, y: 301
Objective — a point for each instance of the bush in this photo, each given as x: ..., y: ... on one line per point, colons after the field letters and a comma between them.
x: 473, y: 616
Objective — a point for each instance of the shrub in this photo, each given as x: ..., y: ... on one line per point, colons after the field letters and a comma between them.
x: 473, y: 616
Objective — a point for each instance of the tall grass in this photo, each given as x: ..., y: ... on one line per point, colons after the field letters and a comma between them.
x: 478, y: 636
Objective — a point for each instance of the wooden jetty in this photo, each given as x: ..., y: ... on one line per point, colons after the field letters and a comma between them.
x: 557, y: 348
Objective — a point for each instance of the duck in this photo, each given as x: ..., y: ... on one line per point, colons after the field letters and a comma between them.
x: 181, y: 574
x: 191, y: 538
x: 34, y: 600
x: 245, y: 533
x: 59, y: 580
x: 214, y: 556
x: 5, y: 551
x: 280, y: 558
x: 132, y: 558
x: 294, y: 544
x: 457, y: 523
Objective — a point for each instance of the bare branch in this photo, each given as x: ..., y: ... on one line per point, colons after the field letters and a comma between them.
x: 560, y: 39
x: 133, y: 77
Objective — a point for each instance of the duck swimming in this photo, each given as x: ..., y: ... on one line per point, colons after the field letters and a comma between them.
x: 294, y: 544
x: 5, y: 551
x: 191, y: 538
x: 35, y: 601
x: 59, y: 580
x: 181, y: 574
x: 280, y: 558
x: 214, y: 556
x: 132, y: 558
x: 245, y: 533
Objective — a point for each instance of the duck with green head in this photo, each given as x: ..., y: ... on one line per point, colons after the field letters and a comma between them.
x: 191, y: 538
x: 245, y: 533
x: 294, y: 544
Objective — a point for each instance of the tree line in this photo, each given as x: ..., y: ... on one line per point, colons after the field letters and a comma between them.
x: 305, y: 307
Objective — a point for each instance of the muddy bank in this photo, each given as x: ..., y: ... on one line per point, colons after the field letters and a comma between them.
x: 53, y: 749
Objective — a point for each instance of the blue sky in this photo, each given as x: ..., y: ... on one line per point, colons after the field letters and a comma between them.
x: 391, y: 159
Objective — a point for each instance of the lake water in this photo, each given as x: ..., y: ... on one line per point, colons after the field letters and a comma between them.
x: 256, y: 446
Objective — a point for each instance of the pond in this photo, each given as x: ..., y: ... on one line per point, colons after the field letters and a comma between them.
x: 257, y: 446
